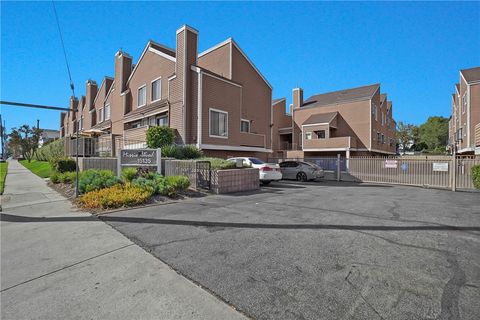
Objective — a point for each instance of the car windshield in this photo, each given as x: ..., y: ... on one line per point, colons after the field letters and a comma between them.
x: 256, y: 161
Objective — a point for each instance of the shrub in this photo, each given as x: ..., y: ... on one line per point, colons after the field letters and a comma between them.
x: 165, y: 186
x: 115, y: 197
x: 160, y: 136
x: 179, y: 183
x: 91, y: 180
x: 55, y: 177
x: 188, y: 151
x: 63, y: 164
x: 221, y: 164
x: 68, y: 177
x: 476, y: 176
x: 128, y: 174
x: 52, y: 150
x: 65, y: 177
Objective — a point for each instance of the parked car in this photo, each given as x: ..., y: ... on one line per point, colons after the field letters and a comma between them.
x: 300, y: 170
x: 268, y: 171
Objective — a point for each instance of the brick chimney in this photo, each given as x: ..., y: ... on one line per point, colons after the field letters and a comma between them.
x: 73, y: 105
x: 186, y: 56
x: 123, y: 69
x: 91, y: 93
x: 297, y: 98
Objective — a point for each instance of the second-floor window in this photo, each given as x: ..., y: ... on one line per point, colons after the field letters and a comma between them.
x: 244, y: 126
x: 106, y: 112
x: 142, y: 96
x: 383, y: 138
x: 308, y: 135
x: 100, y: 115
x: 218, y: 123
x: 379, y: 137
x: 156, y: 90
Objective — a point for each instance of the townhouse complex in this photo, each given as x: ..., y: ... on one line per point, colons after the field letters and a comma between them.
x: 464, y: 123
x: 219, y: 101
x: 355, y: 121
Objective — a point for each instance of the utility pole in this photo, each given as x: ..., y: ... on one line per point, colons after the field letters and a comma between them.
x: 2, y: 134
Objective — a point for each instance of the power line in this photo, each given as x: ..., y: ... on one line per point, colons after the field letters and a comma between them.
x: 64, y: 51
x: 20, y: 104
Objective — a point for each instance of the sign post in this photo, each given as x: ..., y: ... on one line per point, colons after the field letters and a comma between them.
x: 139, y: 158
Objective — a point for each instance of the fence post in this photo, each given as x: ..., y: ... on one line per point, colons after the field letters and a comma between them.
x: 338, y: 167
x: 454, y: 173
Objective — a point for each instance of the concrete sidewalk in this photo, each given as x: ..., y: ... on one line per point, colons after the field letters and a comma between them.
x: 82, y: 268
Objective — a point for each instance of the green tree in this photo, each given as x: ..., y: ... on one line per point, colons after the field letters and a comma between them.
x: 26, y: 140
x: 405, y: 135
x: 160, y: 136
x: 434, y: 134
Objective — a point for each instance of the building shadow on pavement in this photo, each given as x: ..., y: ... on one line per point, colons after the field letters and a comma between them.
x: 115, y: 219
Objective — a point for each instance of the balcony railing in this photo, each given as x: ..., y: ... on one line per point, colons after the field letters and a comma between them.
x: 252, y: 140
x: 330, y: 143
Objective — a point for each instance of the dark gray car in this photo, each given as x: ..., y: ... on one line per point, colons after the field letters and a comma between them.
x: 300, y: 170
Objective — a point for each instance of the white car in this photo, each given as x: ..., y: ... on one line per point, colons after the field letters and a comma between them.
x: 268, y: 171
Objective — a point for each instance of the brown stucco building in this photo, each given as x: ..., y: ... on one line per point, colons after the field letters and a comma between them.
x: 217, y: 99
x: 349, y: 122
x: 464, y: 124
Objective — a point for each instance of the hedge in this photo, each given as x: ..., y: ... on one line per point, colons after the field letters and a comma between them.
x: 476, y: 176
x: 52, y: 150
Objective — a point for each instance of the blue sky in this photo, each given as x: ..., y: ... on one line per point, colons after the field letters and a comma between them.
x: 414, y: 50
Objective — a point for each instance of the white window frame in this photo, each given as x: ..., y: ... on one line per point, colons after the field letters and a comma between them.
x: 308, y: 135
x: 105, y: 112
x: 210, y: 123
x: 159, y: 79
x: 101, y: 115
x: 245, y: 120
x: 138, y: 96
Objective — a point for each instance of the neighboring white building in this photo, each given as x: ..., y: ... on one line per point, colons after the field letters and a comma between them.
x: 47, y: 135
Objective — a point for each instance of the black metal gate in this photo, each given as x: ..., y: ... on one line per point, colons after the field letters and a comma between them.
x: 204, y: 174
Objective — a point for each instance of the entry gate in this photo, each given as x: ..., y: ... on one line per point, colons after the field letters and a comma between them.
x: 203, y: 174
x: 445, y: 172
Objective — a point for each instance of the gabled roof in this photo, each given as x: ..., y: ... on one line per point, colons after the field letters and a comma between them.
x: 108, y: 84
x: 457, y: 87
x: 321, y: 118
x: 471, y: 75
x: 342, y: 96
x: 230, y: 40
x: 275, y: 101
x: 156, y: 48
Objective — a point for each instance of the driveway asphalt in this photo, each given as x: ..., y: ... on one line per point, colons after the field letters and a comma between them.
x: 323, y: 250
x: 61, y: 263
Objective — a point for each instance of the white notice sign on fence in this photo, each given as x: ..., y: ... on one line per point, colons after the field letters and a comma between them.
x: 440, y: 166
x: 392, y: 164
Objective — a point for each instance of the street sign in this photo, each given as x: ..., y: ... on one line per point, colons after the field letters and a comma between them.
x: 440, y: 166
x: 139, y: 158
x: 391, y: 164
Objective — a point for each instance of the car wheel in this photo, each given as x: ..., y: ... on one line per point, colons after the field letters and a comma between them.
x: 302, y: 176
x: 266, y: 183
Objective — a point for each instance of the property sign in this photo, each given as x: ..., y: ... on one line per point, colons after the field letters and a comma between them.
x: 139, y: 158
x: 440, y: 166
x: 392, y: 164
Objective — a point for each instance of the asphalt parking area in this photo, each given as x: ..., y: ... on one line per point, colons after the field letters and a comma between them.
x: 323, y: 250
